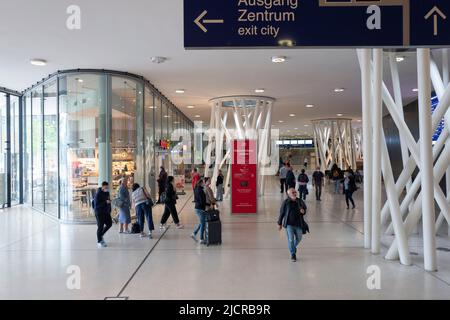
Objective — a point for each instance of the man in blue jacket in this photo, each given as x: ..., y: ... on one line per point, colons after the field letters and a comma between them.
x: 291, y: 218
x: 102, y: 206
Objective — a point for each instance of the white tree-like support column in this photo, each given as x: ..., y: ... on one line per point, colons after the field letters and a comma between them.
x: 240, y: 117
x: 335, y: 142
x: 411, y: 198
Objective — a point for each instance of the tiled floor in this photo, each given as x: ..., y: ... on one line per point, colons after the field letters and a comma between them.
x: 252, y: 263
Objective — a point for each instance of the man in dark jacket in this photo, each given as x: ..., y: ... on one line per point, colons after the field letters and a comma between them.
x: 170, y: 205
x: 102, y: 206
x: 318, y: 182
x: 291, y: 218
x: 200, y: 207
x: 290, y: 178
x: 303, y: 184
x: 162, y: 183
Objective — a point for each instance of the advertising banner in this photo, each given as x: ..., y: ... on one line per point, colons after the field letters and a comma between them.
x: 179, y: 183
x: 243, y: 177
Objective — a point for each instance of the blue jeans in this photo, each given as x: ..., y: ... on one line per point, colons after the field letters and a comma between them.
x: 202, y: 222
x: 294, y: 236
x: 143, y: 211
x: 336, y: 186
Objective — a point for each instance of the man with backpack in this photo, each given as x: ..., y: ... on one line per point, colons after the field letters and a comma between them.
x: 102, y: 207
x: 303, y: 184
x: 318, y: 182
x: 291, y: 218
x: 290, y: 177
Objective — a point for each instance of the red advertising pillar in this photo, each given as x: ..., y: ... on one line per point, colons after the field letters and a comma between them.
x: 243, y: 177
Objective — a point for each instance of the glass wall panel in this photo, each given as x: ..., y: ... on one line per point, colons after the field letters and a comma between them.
x: 124, y: 130
x: 37, y: 154
x: 3, y: 151
x: 27, y: 151
x: 149, y: 138
x: 51, y: 148
x: 15, y: 149
x: 81, y: 101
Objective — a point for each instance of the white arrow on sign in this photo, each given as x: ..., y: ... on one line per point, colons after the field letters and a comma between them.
x: 200, y: 23
x: 435, y: 12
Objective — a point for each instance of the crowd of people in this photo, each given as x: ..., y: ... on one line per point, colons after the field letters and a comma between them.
x: 338, y: 178
x: 139, y: 198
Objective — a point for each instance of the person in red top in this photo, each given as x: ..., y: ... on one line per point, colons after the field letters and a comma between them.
x: 195, y: 177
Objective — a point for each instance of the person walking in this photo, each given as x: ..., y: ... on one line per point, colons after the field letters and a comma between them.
x: 349, y: 188
x: 170, y: 208
x: 195, y: 176
x: 291, y: 218
x: 219, y: 186
x: 210, y: 200
x: 318, y: 182
x: 123, y: 202
x: 143, y: 204
x: 305, y: 163
x: 102, y: 206
x: 283, y: 172
x: 290, y: 178
x: 200, y: 207
x: 335, y: 177
x: 303, y: 184
x: 162, y: 183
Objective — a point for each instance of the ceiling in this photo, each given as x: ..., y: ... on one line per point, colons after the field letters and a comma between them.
x: 124, y: 35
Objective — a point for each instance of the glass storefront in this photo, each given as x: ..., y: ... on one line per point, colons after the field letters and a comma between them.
x: 10, y: 165
x: 81, y: 128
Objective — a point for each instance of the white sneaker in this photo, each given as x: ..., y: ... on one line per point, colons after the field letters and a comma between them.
x: 180, y: 226
x: 194, y: 237
x: 162, y: 227
x: 102, y: 244
x: 150, y: 235
x: 143, y: 235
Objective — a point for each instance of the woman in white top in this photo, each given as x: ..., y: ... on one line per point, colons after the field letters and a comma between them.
x: 143, y: 204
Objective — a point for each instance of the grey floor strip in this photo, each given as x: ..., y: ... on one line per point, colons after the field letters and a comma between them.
x: 148, y: 254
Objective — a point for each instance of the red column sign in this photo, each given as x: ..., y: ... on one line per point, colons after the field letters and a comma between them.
x: 243, y: 177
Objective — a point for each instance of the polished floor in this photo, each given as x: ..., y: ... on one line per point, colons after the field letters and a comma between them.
x: 36, y: 254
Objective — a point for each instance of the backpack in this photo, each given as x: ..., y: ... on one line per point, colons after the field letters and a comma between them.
x: 302, y: 178
x: 335, y: 174
x: 135, y: 228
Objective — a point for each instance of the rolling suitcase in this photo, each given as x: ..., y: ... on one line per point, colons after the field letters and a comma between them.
x: 213, y: 232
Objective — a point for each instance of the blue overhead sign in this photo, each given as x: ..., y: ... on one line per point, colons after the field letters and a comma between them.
x: 316, y: 23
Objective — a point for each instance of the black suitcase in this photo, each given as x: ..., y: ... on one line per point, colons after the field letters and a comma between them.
x: 213, y: 232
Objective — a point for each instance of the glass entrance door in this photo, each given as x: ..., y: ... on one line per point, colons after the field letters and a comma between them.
x: 3, y: 151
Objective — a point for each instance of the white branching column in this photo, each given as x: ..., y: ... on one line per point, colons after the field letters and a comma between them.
x: 411, y: 197
x: 335, y: 143
x: 240, y: 117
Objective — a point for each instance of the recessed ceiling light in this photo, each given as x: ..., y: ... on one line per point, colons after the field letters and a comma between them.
x: 197, y: 116
x: 38, y: 62
x: 151, y: 107
x: 280, y: 121
x: 306, y: 125
x: 81, y: 81
x: 309, y: 106
x: 415, y: 90
x: 399, y: 58
x: 259, y: 90
x: 158, y: 59
x: 180, y: 91
x: 292, y: 115
x: 190, y: 107
x: 166, y: 116
x: 278, y: 59
x: 339, y: 114
x: 359, y: 120
x: 295, y: 128
x: 337, y: 90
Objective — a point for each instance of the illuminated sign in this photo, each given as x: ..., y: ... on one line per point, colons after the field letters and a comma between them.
x: 316, y: 23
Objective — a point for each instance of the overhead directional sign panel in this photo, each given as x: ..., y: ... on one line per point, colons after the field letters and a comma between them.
x: 316, y: 23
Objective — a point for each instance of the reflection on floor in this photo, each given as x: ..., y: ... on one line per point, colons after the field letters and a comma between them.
x: 252, y: 263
